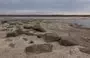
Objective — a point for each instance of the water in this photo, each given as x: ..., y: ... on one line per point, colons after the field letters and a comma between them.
x: 84, y: 23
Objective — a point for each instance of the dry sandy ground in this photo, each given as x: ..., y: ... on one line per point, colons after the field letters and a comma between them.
x: 14, y: 46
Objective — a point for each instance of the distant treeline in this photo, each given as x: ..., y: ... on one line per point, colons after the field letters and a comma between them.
x: 44, y: 15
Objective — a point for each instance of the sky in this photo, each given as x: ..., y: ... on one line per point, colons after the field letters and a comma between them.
x: 45, y: 5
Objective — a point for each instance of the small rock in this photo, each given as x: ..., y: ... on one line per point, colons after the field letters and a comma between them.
x: 39, y: 33
x: 39, y: 28
x: 25, y: 39
x: 28, y: 32
x: 2, y: 22
x: 4, y: 29
x: 12, y: 23
x: 11, y: 34
x: 31, y: 42
x: 38, y: 36
x: 39, y: 48
x: 12, y: 45
x: 85, y: 50
x: 51, y: 37
x: 67, y: 41
x: 19, y: 30
x: 27, y: 27
x: 14, y: 32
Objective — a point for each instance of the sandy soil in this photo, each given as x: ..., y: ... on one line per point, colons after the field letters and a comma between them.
x: 31, y: 32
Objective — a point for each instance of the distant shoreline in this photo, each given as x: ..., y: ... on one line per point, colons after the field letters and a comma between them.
x: 22, y: 15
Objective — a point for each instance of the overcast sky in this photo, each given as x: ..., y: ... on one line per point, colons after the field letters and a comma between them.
x: 46, y: 5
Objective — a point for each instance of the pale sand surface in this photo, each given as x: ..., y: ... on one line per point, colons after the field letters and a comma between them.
x: 60, y: 27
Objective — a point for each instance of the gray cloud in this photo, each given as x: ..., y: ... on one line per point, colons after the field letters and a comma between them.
x: 57, y: 5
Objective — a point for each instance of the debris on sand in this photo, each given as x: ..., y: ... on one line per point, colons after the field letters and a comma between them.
x: 39, y: 48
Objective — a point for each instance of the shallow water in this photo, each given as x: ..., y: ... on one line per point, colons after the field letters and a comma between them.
x: 84, y: 23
